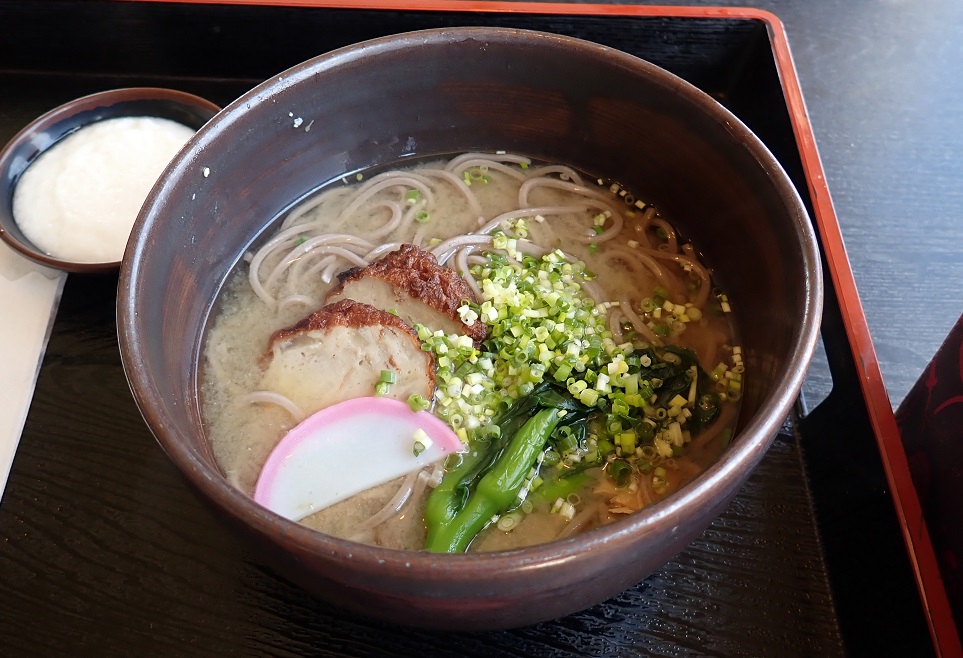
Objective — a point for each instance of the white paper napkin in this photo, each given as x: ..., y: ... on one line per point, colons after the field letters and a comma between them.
x: 29, y: 294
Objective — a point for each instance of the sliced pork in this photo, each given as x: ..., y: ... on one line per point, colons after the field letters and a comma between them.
x: 339, y: 352
x: 410, y: 282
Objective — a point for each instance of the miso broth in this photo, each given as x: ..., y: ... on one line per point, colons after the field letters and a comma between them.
x: 643, y: 300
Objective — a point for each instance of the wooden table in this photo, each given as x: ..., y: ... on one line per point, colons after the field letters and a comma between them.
x: 103, y: 550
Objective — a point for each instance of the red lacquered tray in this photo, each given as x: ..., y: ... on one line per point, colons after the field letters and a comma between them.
x: 740, y: 56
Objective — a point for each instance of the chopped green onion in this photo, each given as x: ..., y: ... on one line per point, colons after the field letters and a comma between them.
x: 388, y: 377
x: 422, y: 442
x: 509, y: 521
x: 542, y: 326
x: 619, y: 471
x: 567, y: 511
x: 417, y: 402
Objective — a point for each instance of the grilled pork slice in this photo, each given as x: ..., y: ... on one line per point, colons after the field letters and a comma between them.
x: 410, y: 282
x: 339, y: 352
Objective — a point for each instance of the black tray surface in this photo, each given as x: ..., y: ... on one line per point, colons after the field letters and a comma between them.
x: 104, y: 551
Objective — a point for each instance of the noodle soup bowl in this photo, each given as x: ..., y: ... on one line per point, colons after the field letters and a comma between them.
x: 382, y: 102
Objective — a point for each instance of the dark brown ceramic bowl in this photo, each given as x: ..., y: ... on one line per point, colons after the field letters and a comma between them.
x: 440, y: 92
x: 47, y: 130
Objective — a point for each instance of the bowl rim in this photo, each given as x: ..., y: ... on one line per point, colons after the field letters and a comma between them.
x: 743, y: 455
x: 55, y: 116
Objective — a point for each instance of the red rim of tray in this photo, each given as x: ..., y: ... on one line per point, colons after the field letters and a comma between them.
x: 946, y: 639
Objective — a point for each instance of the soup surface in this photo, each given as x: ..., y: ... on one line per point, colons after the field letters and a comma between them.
x: 586, y: 359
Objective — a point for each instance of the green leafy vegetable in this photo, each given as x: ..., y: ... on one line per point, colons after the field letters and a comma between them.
x: 496, y: 491
x: 489, y: 478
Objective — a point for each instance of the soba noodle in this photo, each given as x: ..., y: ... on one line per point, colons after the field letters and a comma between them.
x: 649, y: 285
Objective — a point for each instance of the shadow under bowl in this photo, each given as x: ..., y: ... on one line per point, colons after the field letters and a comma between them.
x: 438, y: 92
x: 49, y: 129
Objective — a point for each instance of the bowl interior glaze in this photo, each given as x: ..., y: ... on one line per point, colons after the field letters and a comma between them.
x: 445, y: 91
x: 47, y: 130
